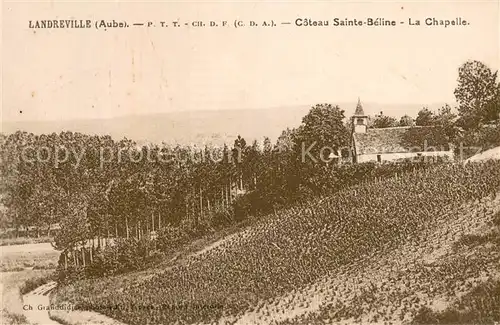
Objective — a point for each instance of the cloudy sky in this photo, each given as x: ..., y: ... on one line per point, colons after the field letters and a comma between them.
x: 64, y: 74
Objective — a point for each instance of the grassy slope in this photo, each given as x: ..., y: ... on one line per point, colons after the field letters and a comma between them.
x: 353, y: 245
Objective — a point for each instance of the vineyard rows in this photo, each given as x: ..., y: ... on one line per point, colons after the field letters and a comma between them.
x: 295, y: 248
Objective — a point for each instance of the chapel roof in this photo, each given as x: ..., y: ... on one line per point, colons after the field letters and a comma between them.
x: 378, y: 141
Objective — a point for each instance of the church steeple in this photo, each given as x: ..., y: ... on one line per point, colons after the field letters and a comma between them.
x: 359, y: 109
x: 359, y: 119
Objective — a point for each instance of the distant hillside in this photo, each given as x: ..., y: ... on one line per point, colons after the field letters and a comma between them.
x: 200, y: 127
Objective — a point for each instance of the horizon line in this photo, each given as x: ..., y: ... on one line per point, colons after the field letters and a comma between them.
x: 452, y: 104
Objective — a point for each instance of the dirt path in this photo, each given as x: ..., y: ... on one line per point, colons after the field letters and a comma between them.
x: 79, y: 317
x: 37, y: 303
x: 38, y: 310
x: 213, y: 245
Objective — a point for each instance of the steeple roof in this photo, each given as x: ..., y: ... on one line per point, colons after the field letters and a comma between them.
x: 359, y: 109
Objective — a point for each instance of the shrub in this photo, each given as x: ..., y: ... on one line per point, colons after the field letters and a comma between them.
x: 472, y: 240
x: 47, y: 266
x: 496, y: 219
x: 243, y: 207
x: 171, y: 238
x: 33, y: 283
x: 13, y: 318
x: 220, y: 217
x: 124, y: 255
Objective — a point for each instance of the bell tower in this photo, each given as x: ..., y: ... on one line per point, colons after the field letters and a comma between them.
x: 359, y: 119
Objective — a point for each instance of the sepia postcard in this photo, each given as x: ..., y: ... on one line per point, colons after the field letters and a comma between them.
x: 250, y: 162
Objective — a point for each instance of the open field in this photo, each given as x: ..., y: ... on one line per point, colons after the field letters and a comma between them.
x: 19, y: 257
x: 376, y: 252
x: 24, y: 240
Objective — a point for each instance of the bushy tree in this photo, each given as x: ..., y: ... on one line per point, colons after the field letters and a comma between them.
x: 323, y: 132
x: 438, y: 131
x: 406, y: 120
x: 383, y: 121
x: 476, y: 94
x: 425, y: 117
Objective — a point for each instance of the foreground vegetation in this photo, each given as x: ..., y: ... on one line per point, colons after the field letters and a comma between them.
x: 295, y: 248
